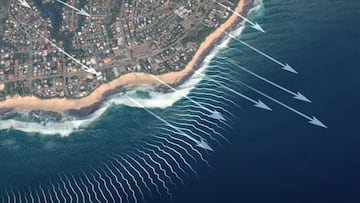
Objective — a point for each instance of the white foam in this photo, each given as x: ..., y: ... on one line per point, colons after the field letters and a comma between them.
x: 258, y: 7
x: 154, y: 100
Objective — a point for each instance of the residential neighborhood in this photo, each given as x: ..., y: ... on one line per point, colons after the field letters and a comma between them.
x: 45, y: 48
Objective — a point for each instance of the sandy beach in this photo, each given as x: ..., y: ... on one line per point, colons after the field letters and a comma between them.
x: 30, y: 103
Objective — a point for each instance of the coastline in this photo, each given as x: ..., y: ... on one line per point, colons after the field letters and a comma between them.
x: 60, y: 105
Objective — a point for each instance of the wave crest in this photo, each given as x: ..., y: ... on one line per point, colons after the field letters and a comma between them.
x: 153, y: 99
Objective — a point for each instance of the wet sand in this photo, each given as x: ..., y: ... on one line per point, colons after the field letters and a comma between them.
x: 29, y: 103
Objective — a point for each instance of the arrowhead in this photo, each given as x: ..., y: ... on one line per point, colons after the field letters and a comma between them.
x: 217, y: 115
x: 257, y: 27
x: 316, y: 122
x: 92, y: 71
x: 301, y: 97
x: 261, y: 105
x: 204, y: 145
x: 25, y: 4
x: 287, y: 67
x: 83, y: 12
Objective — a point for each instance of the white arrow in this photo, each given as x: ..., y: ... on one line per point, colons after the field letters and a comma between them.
x: 24, y: 3
x: 202, y: 143
x: 255, y: 26
x: 296, y: 95
x: 285, y: 67
x: 84, y: 67
x: 213, y: 113
x: 312, y: 120
x: 257, y: 103
x: 83, y: 12
x: 78, y: 11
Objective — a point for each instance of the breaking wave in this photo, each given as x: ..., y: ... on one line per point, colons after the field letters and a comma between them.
x: 258, y: 7
x: 153, y: 99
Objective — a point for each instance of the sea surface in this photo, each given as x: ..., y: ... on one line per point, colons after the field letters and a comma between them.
x: 259, y: 155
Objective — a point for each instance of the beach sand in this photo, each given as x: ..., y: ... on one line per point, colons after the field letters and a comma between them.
x: 29, y: 103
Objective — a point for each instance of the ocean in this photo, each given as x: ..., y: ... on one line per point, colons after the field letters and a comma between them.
x: 277, y: 157
x: 259, y: 155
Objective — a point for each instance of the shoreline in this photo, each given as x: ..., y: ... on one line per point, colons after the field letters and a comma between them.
x: 61, y: 105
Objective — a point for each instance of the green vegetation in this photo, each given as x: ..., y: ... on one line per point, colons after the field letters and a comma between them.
x: 67, y: 37
x: 16, y: 88
x: 52, y: 11
x: 172, y: 6
x: 82, y: 18
x: 113, y: 13
x: 198, y: 35
x: 3, y: 15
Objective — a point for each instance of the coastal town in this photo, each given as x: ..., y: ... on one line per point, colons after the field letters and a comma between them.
x: 45, y: 46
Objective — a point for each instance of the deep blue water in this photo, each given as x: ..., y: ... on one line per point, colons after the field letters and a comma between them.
x: 274, y: 156
x: 277, y: 157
